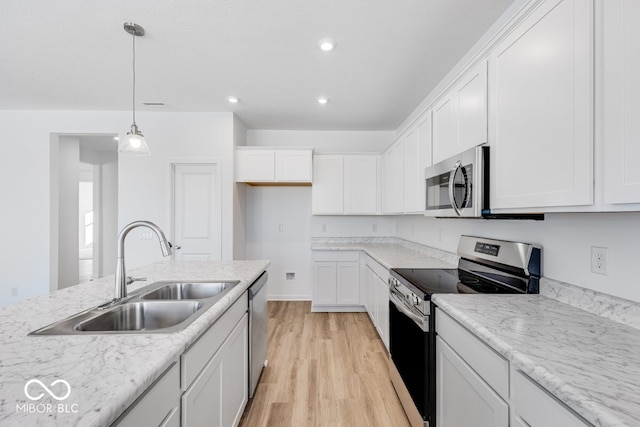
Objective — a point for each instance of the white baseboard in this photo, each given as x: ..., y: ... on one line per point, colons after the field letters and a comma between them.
x: 289, y: 297
x: 338, y: 308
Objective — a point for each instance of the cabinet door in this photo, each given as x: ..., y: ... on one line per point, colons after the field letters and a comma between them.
x: 158, y: 406
x: 534, y: 407
x: 327, y: 190
x: 324, y: 283
x: 360, y: 184
x: 471, y: 96
x: 411, y: 169
x: 541, y: 109
x: 462, y: 397
x: 444, y: 128
x: 395, y: 178
x: 235, y: 375
x: 348, y: 285
x: 255, y: 165
x: 383, y: 311
x: 621, y: 89
x: 202, y: 403
x: 372, y: 293
x: 293, y: 165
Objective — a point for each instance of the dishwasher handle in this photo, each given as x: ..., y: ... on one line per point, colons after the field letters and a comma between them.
x: 258, y: 285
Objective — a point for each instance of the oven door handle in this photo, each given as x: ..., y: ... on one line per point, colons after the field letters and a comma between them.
x: 419, y: 320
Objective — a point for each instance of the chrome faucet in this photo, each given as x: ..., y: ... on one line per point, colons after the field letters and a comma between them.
x: 121, y: 276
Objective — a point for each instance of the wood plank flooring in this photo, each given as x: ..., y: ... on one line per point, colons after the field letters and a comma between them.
x: 325, y: 369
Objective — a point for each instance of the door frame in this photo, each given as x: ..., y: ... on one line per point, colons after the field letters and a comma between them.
x: 192, y: 161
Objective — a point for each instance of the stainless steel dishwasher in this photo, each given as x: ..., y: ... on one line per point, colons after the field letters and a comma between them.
x: 257, y: 330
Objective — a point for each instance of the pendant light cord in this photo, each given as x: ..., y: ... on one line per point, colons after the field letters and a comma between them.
x: 134, y: 79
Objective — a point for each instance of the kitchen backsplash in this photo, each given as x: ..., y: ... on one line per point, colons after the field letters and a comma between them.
x: 614, y: 308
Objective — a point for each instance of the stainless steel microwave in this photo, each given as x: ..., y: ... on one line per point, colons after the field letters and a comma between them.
x: 459, y: 186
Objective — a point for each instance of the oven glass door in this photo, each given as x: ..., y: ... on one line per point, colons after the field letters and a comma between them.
x: 409, y: 348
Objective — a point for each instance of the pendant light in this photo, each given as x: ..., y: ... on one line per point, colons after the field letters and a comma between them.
x: 134, y: 142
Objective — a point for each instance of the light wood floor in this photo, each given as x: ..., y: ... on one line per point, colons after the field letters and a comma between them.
x: 325, y: 369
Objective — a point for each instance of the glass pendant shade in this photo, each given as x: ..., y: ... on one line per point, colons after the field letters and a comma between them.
x: 134, y: 143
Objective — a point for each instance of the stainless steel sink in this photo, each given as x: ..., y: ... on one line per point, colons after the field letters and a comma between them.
x: 162, y: 307
x: 141, y: 316
x: 189, y: 290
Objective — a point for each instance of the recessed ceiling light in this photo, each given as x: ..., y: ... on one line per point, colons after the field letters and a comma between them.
x: 233, y: 99
x: 327, y: 44
x: 322, y: 100
x: 116, y: 138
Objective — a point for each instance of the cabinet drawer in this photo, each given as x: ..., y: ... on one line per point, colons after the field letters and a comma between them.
x: 158, y: 406
x: 377, y: 268
x: 535, y: 407
x: 492, y: 367
x: 197, y: 356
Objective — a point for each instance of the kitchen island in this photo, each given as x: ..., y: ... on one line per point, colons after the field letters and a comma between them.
x: 589, y: 363
x: 105, y: 373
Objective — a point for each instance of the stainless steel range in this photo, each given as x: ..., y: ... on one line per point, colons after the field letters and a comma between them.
x: 485, y: 266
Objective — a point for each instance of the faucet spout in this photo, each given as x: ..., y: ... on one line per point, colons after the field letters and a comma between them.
x: 121, y: 274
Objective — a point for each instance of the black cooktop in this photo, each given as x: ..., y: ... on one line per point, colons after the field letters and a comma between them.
x: 427, y: 281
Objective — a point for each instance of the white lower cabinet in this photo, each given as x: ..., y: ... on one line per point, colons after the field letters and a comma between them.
x: 210, y: 385
x: 336, y: 281
x: 158, y: 406
x: 377, y: 297
x: 475, y: 386
x: 215, y: 371
x: 219, y: 394
x: 534, y: 407
x: 463, y: 397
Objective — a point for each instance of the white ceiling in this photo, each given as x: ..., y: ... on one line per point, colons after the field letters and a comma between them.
x: 74, y: 55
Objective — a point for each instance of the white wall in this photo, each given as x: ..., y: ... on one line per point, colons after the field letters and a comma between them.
x: 239, y: 198
x: 143, y: 182
x: 566, y: 240
x: 288, y: 250
x: 68, y: 206
x: 268, y: 207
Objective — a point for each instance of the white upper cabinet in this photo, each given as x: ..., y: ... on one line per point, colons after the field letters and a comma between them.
x: 417, y: 156
x: 273, y: 165
x: 360, y: 184
x: 327, y: 193
x: 345, y: 184
x: 460, y: 117
x: 393, y: 173
x: 541, y: 110
x: 621, y: 93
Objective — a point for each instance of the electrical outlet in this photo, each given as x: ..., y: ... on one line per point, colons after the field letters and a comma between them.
x: 290, y: 276
x: 14, y: 291
x: 598, y: 260
x: 146, y: 235
x: 374, y: 228
x: 324, y: 228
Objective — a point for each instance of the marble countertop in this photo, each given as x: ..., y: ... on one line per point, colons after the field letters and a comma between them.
x: 392, y: 255
x: 106, y: 373
x: 590, y: 363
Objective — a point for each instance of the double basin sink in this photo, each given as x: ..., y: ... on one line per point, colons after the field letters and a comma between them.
x: 162, y: 307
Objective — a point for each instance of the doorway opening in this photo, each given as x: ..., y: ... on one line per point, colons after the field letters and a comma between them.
x: 84, y: 208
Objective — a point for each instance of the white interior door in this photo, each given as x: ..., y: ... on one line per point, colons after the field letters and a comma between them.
x: 197, y: 212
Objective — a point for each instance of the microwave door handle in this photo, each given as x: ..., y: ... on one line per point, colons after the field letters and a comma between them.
x: 452, y: 178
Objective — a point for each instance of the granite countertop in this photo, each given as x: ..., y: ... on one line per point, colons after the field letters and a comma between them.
x: 590, y: 363
x: 106, y: 373
x: 393, y: 255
